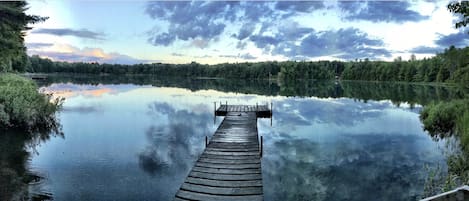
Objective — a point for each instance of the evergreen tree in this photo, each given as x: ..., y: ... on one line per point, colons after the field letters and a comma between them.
x: 13, y: 23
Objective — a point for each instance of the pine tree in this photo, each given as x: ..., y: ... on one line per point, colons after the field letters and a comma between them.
x: 13, y: 24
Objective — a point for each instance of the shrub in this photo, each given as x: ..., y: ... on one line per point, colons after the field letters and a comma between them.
x: 441, y: 119
x: 22, y: 106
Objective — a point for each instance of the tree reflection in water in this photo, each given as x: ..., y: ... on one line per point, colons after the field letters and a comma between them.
x: 15, y: 151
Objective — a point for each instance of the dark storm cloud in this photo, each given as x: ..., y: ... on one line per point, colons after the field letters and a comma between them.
x: 347, y: 43
x: 82, y: 33
x: 380, y: 11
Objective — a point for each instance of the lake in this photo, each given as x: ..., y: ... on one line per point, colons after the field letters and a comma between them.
x: 137, y: 138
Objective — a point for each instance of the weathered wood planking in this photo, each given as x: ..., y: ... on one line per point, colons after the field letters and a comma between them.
x: 230, y: 166
x: 262, y: 111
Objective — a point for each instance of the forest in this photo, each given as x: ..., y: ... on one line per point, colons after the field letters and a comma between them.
x: 452, y: 65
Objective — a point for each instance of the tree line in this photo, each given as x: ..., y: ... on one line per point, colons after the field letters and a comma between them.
x: 452, y: 65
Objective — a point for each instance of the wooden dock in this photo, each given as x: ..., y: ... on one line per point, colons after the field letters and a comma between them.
x: 230, y: 166
x: 261, y: 111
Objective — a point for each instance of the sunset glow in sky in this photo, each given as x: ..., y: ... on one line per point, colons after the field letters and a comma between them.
x: 129, y: 32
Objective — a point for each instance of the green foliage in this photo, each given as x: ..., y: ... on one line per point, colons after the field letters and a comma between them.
x: 461, y: 75
x: 22, y: 106
x: 441, y: 119
x: 460, y: 8
x: 446, y: 119
x: 448, y: 66
x: 463, y: 128
x: 13, y: 23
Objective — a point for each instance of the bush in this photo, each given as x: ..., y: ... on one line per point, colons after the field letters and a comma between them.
x: 461, y: 75
x: 441, y: 118
x: 22, y: 106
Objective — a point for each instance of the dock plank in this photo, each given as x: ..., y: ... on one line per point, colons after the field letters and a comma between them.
x: 230, y: 166
x: 222, y: 190
x: 208, y: 182
x: 208, y: 197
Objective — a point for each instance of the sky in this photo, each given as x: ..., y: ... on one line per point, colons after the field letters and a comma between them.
x: 211, y: 32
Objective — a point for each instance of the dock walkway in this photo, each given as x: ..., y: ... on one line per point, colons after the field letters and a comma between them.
x: 230, y: 166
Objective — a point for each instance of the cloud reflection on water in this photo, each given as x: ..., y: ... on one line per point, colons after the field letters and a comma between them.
x: 175, y: 141
x: 326, y: 150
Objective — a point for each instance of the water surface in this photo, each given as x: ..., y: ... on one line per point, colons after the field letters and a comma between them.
x: 137, y: 139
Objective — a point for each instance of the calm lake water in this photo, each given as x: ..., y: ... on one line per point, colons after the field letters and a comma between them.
x: 137, y: 138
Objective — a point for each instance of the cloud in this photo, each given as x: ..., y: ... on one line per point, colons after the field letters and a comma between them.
x: 38, y: 45
x: 73, y: 54
x: 247, y: 56
x: 189, y: 20
x: 200, y: 43
x: 80, y: 109
x: 204, y: 56
x: 298, y: 42
x: 177, y: 54
x: 82, y: 33
x: 200, y: 20
x: 246, y: 30
x: 299, y: 6
x: 380, y: 11
x: 460, y: 39
x: 170, y: 149
x: 426, y: 50
x: 241, y: 45
x: 228, y: 56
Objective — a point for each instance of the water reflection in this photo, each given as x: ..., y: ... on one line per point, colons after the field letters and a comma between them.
x: 15, y: 151
x: 339, y: 149
x: 175, y: 145
x: 395, y: 92
x: 138, y: 139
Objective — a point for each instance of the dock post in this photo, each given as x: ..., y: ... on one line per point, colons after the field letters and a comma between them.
x: 262, y: 147
x: 214, y: 112
x: 271, y: 112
